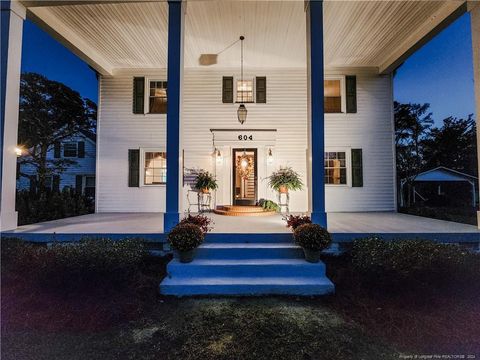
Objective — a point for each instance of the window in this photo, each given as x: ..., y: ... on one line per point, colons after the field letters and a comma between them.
x: 89, y: 189
x: 158, y: 97
x: 70, y: 149
x: 244, y: 91
x: 333, y: 96
x: 336, y: 168
x: 155, y: 168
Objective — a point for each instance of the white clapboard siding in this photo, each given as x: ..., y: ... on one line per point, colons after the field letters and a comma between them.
x: 286, y: 110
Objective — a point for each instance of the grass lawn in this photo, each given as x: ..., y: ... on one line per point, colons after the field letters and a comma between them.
x: 264, y: 328
x: 134, y: 322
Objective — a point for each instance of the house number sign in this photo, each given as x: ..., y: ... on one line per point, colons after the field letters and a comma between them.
x: 245, y: 137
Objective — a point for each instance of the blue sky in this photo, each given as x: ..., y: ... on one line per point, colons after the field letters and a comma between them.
x: 440, y: 73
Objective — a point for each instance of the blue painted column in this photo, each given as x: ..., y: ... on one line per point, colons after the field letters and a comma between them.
x: 174, y: 77
x: 317, y: 117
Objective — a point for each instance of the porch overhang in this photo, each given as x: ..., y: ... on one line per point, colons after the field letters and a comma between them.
x: 357, y: 34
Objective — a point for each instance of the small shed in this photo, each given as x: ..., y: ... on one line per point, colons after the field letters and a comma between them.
x: 441, y: 175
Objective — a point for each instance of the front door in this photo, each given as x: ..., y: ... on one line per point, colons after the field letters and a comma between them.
x: 244, y: 176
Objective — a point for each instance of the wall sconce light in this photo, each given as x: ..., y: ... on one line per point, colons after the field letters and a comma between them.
x: 218, y: 157
x: 18, y: 151
x: 270, y: 156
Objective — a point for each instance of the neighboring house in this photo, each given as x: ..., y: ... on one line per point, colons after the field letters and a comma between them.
x: 81, y: 149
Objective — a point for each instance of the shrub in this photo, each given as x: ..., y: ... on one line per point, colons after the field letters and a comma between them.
x: 200, y: 220
x: 404, y: 264
x: 312, y: 237
x: 80, y: 264
x: 185, y: 237
x: 38, y: 207
x: 294, y: 221
x: 285, y: 177
x: 205, y: 180
x: 268, y: 205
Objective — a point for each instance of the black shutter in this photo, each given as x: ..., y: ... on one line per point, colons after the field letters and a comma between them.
x: 351, y: 87
x: 78, y: 184
x: 133, y: 168
x: 357, y: 168
x: 261, y: 87
x: 56, y: 150
x: 138, y: 95
x: 33, y: 184
x: 227, y: 89
x: 56, y: 183
x: 81, y: 149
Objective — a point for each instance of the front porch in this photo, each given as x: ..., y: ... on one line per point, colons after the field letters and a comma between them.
x: 343, y: 226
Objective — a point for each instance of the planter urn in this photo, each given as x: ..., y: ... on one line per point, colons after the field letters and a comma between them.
x: 312, y: 256
x: 186, y: 256
x: 283, y: 189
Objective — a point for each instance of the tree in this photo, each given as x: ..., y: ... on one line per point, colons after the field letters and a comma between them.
x: 50, y: 112
x: 412, y: 127
x: 453, y: 145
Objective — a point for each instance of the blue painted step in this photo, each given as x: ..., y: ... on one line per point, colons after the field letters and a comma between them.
x: 245, y: 267
x: 248, y: 238
x: 249, y: 251
x: 246, y: 286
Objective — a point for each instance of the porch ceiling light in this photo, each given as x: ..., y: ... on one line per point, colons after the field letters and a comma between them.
x: 242, y: 110
x: 18, y: 151
x: 242, y: 113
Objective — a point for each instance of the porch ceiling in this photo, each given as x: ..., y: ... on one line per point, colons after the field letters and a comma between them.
x: 116, y: 35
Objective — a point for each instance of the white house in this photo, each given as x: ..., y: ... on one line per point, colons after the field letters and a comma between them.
x: 80, y: 175
x: 317, y: 85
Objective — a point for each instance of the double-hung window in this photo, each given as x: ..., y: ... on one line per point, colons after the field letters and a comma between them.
x: 154, y: 167
x: 336, y: 168
x: 244, y: 91
x: 334, y: 98
x: 89, y: 189
x: 70, y: 149
x: 157, y: 97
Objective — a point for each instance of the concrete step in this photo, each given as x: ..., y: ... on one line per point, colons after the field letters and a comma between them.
x: 246, y: 286
x: 249, y: 251
x: 248, y: 238
x: 246, y: 267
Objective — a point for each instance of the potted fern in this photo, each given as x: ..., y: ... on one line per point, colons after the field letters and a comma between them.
x: 205, y: 182
x: 285, y: 179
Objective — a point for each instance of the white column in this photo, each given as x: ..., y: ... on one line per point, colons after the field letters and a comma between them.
x: 13, y: 15
x: 475, y: 25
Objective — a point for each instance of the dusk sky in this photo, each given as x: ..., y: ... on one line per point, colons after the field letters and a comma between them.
x: 440, y: 73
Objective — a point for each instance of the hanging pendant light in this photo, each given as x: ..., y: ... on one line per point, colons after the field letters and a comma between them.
x: 242, y: 110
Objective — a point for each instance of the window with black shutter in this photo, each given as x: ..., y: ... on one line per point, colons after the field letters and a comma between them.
x: 261, y: 88
x: 351, y: 93
x: 138, y: 95
x: 133, y: 167
x: 81, y: 149
x: 227, y: 89
x: 357, y: 168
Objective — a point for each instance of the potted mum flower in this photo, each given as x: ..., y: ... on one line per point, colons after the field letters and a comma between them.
x: 184, y: 239
x: 205, y: 182
x: 285, y: 179
x: 313, y: 239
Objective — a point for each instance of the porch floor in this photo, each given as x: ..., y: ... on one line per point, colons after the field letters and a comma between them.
x: 338, y: 223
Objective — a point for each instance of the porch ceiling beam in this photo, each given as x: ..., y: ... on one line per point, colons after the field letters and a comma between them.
x: 448, y: 13
x: 44, y: 18
x: 50, y: 3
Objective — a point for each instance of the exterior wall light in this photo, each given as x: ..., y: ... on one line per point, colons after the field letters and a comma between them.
x: 219, y: 157
x: 18, y: 151
x: 270, y: 156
